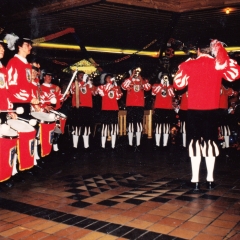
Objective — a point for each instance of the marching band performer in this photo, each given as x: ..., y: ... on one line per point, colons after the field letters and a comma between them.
x: 183, y: 116
x: 163, y: 110
x: 7, y: 145
x: 49, y: 92
x: 19, y: 77
x: 223, y: 114
x: 82, y: 91
x: 22, y: 95
x: 203, y: 76
x: 135, y: 86
x: 110, y: 93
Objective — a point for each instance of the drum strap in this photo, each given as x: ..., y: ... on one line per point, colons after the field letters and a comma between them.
x: 77, y: 94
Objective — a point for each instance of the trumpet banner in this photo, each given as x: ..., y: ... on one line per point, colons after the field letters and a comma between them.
x: 46, y: 137
x: 7, y: 153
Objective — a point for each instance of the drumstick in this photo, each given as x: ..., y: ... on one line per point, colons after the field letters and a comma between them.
x: 58, y: 113
x: 32, y: 122
x: 18, y: 110
x: 70, y: 83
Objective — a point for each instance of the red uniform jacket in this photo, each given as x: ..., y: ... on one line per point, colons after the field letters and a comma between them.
x: 163, y: 95
x: 19, y: 79
x: 184, y: 101
x: 110, y: 94
x: 135, y: 91
x: 50, y: 91
x: 5, y: 103
x: 224, y: 94
x: 85, y: 94
x: 203, y: 76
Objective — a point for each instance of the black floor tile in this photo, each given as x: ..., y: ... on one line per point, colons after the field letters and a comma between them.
x: 80, y: 204
x: 97, y: 225
x: 109, y: 228
x: 64, y: 218
x: 212, y: 197
x: 121, y: 231
x: 134, y: 201
x: 74, y: 220
x: 134, y: 234
x: 186, y: 198
x: 108, y: 203
x: 85, y: 223
x: 160, y: 199
x: 149, y: 235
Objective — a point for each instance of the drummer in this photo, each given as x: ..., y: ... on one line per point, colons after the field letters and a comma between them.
x: 19, y: 77
x: 49, y: 92
x: 5, y: 105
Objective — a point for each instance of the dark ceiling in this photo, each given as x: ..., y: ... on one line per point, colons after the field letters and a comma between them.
x: 121, y: 24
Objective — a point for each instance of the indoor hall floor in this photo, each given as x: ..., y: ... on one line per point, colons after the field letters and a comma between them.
x: 122, y: 194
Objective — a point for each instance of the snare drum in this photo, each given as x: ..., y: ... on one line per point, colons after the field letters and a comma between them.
x: 44, y: 117
x: 8, y: 146
x: 25, y: 143
x: 47, y: 127
x: 62, y: 118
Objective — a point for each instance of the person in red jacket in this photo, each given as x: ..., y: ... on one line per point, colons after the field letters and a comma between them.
x: 225, y: 131
x: 5, y: 103
x: 163, y: 110
x: 19, y: 77
x: 203, y: 76
x: 49, y: 92
x: 110, y: 93
x: 82, y: 91
x: 135, y: 86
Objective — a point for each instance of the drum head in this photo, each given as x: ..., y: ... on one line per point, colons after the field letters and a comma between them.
x: 45, y: 117
x: 20, y: 126
x: 6, y: 131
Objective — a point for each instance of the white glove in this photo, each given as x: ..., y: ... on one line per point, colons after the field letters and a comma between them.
x: 85, y: 77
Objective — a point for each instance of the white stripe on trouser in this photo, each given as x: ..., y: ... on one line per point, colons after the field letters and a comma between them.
x: 195, y: 162
x: 75, y: 141
x: 210, y: 162
x: 14, y: 168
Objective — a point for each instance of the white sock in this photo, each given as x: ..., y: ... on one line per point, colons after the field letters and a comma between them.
x: 195, y: 162
x: 157, y: 138
x: 113, y: 140
x: 86, y: 141
x: 138, y: 136
x: 226, y: 139
x: 210, y: 162
x: 130, y: 138
x: 165, y: 139
x: 184, y: 139
x: 75, y: 141
x: 55, y: 147
x: 103, y: 142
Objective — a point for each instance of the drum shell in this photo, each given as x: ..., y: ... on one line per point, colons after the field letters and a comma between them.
x: 7, y: 153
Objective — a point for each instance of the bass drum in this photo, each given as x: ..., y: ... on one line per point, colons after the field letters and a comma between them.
x: 25, y: 143
x: 8, y: 148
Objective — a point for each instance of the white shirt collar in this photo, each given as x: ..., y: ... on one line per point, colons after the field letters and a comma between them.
x: 47, y: 84
x: 24, y: 60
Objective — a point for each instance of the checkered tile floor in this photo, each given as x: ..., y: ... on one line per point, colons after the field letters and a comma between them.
x: 122, y: 195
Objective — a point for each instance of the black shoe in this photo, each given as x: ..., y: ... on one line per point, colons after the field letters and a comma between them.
x: 210, y: 185
x: 137, y: 149
x: 196, y: 186
x: 9, y: 184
